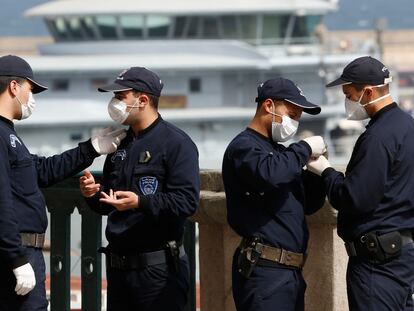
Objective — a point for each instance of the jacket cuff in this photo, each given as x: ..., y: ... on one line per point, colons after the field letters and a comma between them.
x: 328, y: 171
x: 19, y: 261
x: 87, y: 148
x: 304, y: 143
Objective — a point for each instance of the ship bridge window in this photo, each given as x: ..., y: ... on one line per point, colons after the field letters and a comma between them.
x: 304, y: 27
x: 58, y: 27
x: 274, y: 28
x: 87, y: 25
x: 107, y: 26
x: 210, y: 27
x: 179, y: 26
x: 249, y: 27
x: 231, y: 26
x: 74, y: 28
x: 158, y: 26
x: 132, y: 26
x: 60, y: 85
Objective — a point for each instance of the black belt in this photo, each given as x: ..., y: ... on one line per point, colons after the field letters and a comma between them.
x: 139, y: 260
x: 36, y: 240
x: 359, y: 246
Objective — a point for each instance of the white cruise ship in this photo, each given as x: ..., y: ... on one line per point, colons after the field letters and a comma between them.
x: 211, y: 56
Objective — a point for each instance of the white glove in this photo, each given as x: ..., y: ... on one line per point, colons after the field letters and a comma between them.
x: 25, y: 279
x: 106, y: 141
x: 318, y: 165
x: 317, y: 145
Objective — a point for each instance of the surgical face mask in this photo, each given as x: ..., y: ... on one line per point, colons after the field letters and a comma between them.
x: 356, y: 111
x: 284, y: 131
x: 28, y: 108
x: 117, y: 110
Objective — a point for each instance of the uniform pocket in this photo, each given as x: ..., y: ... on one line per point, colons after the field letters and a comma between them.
x: 24, y: 177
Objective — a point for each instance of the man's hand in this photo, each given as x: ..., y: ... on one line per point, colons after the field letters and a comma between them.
x: 317, y: 166
x: 106, y: 141
x: 121, y: 200
x: 317, y: 145
x: 87, y: 184
x: 25, y: 279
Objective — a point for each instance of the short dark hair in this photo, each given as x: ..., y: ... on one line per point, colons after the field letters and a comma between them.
x: 5, y: 81
x: 152, y: 98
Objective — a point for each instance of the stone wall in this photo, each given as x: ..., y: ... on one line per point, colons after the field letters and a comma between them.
x: 324, y: 271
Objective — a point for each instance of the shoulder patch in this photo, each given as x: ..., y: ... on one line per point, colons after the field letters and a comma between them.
x: 148, y: 185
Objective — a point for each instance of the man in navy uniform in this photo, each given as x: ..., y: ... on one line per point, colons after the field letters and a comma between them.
x: 268, y: 194
x: 23, y: 218
x: 375, y: 196
x: 150, y: 186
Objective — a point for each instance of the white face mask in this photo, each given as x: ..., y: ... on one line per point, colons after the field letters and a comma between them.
x: 284, y: 131
x: 28, y: 108
x: 356, y: 111
x: 117, y: 110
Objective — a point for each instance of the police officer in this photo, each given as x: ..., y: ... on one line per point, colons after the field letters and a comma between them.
x: 268, y: 194
x: 23, y: 218
x: 375, y: 197
x: 150, y: 186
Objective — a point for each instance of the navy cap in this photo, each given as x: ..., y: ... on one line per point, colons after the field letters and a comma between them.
x: 14, y: 66
x: 285, y: 89
x: 135, y: 78
x: 364, y: 70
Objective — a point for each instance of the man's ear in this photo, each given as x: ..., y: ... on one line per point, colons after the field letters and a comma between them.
x: 13, y: 87
x: 143, y: 100
x: 268, y: 105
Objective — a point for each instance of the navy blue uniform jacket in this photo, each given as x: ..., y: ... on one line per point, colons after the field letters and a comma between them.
x: 167, y: 185
x: 22, y: 205
x: 268, y: 193
x: 377, y: 191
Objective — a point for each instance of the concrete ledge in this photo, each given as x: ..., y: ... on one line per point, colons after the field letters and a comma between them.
x: 324, y: 271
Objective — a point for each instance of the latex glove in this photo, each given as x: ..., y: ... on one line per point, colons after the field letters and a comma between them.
x: 87, y: 184
x: 106, y: 141
x: 317, y: 145
x: 318, y: 165
x: 25, y: 279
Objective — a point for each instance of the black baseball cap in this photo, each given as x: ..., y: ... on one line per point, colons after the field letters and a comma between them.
x: 135, y: 78
x: 285, y: 89
x: 15, y: 66
x: 364, y: 70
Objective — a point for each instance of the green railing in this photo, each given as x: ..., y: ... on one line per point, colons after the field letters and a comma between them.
x: 62, y: 199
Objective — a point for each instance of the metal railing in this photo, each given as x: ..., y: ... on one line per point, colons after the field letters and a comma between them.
x: 62, y: 199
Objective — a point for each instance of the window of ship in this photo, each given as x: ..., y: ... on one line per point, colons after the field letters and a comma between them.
x: 88, y: 27
x: 249, y: 27
x: 107, y: 26
x: 274, y: 28
x: 158, y: 26
x: 230, y: 26
x: 60, y: 85
x: 179, y: 26
x: 58, y: 28
x: 210, y: 28
x: 132, y: 26
x: 194, y: 85
x: 74, y: 28
x: 304, y: 28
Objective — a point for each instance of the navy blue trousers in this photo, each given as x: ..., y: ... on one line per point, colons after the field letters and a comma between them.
x: 154, y: 288
x: 268, y: 289
x: 35, y: 300
x: 380, y: 287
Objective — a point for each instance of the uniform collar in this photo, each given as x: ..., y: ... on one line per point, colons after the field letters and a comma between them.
x: 146, y: 130
x: 7, y: 121
x: 381, y: 112
x: 259, y: 135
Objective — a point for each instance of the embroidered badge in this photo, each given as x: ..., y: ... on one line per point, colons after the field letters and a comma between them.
x: 119, y: 154
x: 13, y: 139
x: 148, y: 185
